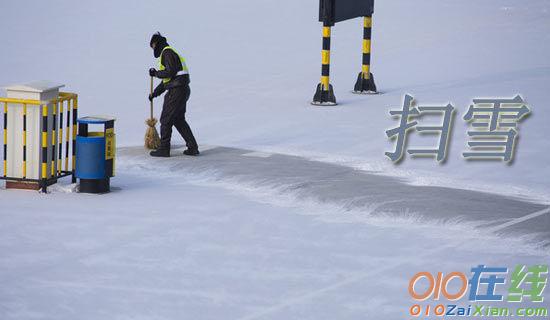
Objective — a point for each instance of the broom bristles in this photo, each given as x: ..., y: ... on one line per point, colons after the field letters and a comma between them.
x: 152, y: 139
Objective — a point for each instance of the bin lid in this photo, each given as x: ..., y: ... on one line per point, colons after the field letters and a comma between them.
x: 96, y: 119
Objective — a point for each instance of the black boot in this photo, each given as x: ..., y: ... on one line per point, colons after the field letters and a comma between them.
x: 161, y: 152
x: 191, y: 152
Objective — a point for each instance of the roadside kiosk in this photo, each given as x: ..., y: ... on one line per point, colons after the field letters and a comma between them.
x: 39, y: 132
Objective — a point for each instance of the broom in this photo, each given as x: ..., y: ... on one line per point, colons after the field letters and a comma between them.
x: 152, y: 140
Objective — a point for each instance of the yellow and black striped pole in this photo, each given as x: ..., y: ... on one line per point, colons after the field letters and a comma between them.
x: 54, y: 137
x: 365, y: 80
x: 325, y: 59
x: 68, y: 135
x: 44, y: 147
x: 5, y: 139
x: 24, y: 140
x: 324, y: 95
x: 60, y: 145
x: 75, y: 117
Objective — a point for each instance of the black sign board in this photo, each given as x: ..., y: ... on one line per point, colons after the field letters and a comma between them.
x: 332, y: 11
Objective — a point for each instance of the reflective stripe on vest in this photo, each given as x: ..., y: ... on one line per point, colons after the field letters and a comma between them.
x: 182, y: 60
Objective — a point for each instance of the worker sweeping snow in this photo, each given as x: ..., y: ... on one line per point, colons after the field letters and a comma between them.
x: 175, y: 79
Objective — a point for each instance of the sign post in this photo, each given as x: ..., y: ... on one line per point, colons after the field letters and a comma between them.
x: 330, y: 13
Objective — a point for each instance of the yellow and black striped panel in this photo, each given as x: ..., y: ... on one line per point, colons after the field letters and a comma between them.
x: 110, y: 148
x: 367, y: 33
x: 325, y: 58
x: 60, y: 142
x: 24, y: 168
x: 68, y: 135
x: 44, y: 141
x: 54, y: 137
x: 75, y: 117
x: 5, y: 139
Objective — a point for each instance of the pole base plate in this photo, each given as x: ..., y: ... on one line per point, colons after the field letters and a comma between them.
x: 324, y: 98
x: 365, y: 86
x: 366, y: 92
x: 323, y: 104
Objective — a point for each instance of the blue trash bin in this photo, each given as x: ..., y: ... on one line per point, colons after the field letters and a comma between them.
x: 95, y: 154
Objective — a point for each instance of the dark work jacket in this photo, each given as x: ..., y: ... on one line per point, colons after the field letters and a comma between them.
x: 172, y: 64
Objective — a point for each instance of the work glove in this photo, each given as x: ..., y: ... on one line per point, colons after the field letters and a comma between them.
x: 151, y: 97
x: 152, y: 72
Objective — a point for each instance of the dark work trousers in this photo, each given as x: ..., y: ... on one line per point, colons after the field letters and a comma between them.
x: 173, y: 114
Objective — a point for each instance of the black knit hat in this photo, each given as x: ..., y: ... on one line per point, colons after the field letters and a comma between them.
x: 160, y: 44
x: 157, y: 38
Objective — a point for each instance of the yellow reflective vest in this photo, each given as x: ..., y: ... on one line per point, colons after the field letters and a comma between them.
x: 182, y: 60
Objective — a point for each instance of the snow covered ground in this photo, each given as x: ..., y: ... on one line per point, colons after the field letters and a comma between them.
x: 177, y: 240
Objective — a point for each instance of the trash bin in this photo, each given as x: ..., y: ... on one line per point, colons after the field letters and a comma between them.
x: 95, y: 154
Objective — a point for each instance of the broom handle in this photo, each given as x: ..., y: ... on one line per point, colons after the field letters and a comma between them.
x: 151, y: 100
